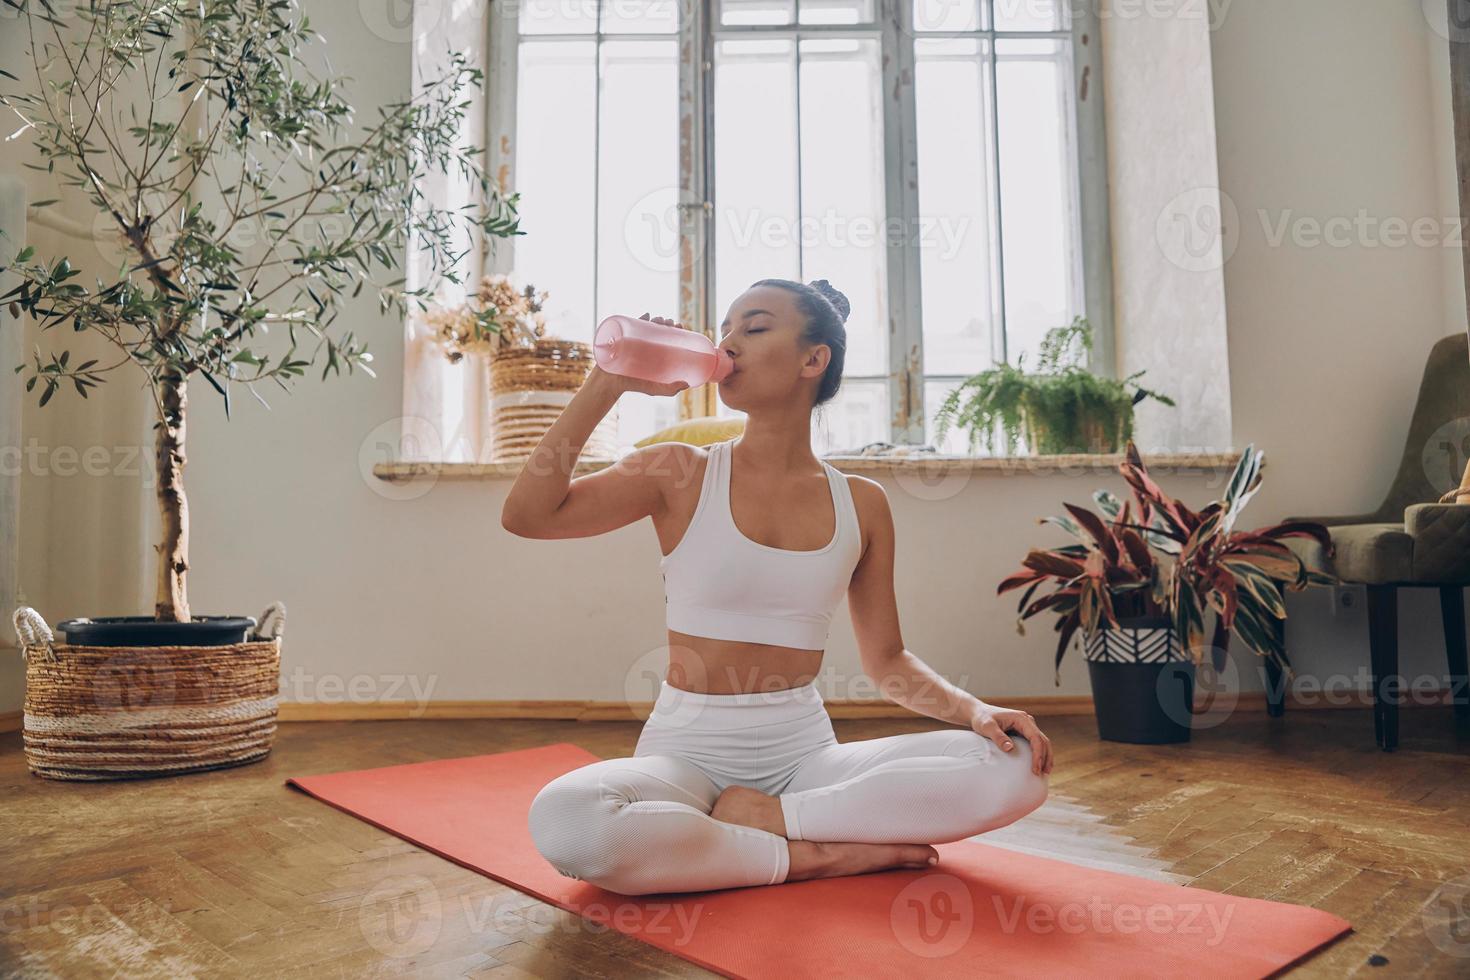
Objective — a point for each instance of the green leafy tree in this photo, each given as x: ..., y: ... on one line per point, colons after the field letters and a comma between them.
x: 244, y: 195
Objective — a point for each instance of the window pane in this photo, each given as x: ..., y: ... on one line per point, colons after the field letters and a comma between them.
x: 628, y: 194
x: 856, y: 416
x: 956, y: 187
x: 836, y: 11
x: 1030, y: 15
x: 739, y: 13
x: 637, y: 229
x: 558, y: 16
x: 1038, y: 193
x: 946, y: 15
x: 755, y: 167
x: 852, y: 418
x: 842, y: 193
x: 640, y: 16
x: 838, y: 232
x: 555, y: 150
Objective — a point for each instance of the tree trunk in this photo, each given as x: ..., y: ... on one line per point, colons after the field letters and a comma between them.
x: 173, y: 548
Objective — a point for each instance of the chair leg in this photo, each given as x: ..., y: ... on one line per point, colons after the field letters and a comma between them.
x: 1452, y: 611
x: 1383, y: 646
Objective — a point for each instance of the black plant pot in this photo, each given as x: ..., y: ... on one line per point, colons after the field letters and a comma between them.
x: 145, y: 631
x: 1142, y: 688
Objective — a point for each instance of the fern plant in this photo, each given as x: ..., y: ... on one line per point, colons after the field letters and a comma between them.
x: 1061, y: 407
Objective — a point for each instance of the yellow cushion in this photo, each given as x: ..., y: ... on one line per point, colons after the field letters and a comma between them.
x: 696, y: 432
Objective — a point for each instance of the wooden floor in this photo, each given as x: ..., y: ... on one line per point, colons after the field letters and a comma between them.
x: 230, y: 873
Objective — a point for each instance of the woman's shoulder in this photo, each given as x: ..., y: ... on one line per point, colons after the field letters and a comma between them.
x: 864, y: 489
x: 675, y: 466
x: 869, y: 504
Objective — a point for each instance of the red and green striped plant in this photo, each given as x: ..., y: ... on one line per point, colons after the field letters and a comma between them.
x: 1112, y: 572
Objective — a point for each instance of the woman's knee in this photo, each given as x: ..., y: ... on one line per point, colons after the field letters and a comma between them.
x: 572, y: 820
x: 1024, y: 789
x: 1006, y: 788
x: 1030, y: 788
x: 568, y: 824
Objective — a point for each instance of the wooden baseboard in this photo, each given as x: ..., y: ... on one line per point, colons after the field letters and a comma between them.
x: 1041, y: 706
x: 573, y: 710
x: 612, y: 710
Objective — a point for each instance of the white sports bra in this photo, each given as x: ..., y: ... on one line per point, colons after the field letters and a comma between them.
x: 721, y: 584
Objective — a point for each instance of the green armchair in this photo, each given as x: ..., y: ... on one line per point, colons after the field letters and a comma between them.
x: 1411, y: 540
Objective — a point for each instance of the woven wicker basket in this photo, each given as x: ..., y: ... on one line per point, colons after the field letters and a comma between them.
x: 94, y: 713
x: 530, y: 386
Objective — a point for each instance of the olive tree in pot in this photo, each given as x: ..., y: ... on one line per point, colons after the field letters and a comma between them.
x: 1143, y: 620
x: 244, y: 196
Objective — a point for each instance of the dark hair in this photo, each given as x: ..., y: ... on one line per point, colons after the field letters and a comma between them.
x: 826, y: 311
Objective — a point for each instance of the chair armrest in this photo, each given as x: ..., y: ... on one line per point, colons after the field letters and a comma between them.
x: 1441, y: 518
x: 1441, y: 534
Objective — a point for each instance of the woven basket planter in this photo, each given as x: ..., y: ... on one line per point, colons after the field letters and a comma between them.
x: 95, y: 713
x: 530, y: 386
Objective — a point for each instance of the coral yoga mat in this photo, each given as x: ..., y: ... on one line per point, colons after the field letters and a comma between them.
x: 981, y: 911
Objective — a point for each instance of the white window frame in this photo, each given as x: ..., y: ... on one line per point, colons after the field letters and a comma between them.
x: 894, y: 26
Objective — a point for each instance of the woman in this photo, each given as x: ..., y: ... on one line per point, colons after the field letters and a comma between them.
x: 737, y: 778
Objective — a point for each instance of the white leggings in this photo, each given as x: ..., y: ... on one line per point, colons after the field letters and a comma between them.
x: 641, y: 824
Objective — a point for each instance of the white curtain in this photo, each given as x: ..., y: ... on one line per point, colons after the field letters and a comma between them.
x: 446, y: 406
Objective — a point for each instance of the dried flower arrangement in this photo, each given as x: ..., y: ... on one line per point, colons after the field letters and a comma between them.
x: 496, y: 315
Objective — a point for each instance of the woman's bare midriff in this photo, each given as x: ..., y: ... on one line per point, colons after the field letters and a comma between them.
x: 709, y: 666
x: 706, y: 665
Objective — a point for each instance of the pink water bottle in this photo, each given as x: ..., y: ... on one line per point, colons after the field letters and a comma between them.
x: 638, y: 348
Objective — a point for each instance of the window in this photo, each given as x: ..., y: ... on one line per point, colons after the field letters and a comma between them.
x: 780, y: 147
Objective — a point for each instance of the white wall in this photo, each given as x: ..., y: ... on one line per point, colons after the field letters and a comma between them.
x: 12, y: 351
x: 83, y: 464
x: 1322, y: 107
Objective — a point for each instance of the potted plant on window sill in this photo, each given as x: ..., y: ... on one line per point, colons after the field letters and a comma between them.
x: 1143, y: 621
x: 1059, y: 408
x: 238, y: 195
x: 532, y: 376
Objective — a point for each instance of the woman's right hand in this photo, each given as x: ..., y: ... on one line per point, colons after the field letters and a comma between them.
x: 622, y: 382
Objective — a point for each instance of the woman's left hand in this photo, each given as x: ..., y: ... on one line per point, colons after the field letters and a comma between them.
x: 994, y: 722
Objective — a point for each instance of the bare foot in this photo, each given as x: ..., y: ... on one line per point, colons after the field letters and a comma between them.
x: 814, y: 859
x: 749, y: 807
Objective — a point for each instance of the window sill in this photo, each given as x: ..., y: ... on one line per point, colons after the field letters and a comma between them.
x: 919, y: 463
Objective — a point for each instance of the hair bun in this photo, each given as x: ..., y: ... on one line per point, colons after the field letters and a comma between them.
x: 834, y: 296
